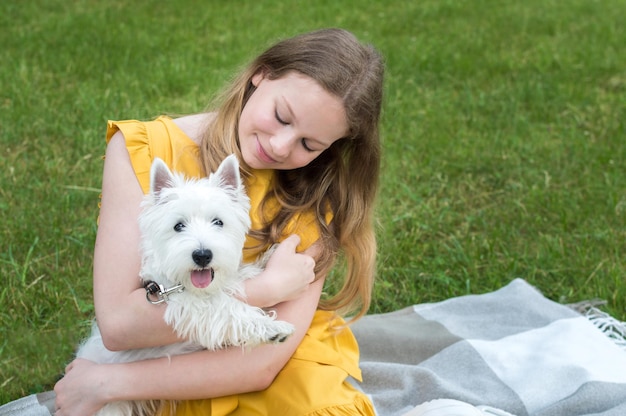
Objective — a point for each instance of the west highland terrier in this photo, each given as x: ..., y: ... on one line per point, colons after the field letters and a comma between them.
x: 193, y: 231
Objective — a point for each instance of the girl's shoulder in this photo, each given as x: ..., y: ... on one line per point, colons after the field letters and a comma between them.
x: 194, y: 125
x: 175, y: 141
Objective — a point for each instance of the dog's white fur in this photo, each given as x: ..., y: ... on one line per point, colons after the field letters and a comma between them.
x: 207, y: 219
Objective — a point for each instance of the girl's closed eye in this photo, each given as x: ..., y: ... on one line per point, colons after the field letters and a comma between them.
x: 306, y: 146
x: 279, y: 118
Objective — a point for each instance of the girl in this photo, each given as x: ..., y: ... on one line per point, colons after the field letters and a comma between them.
x: 303, y: 122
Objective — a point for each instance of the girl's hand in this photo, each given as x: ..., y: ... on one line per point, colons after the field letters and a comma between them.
x: 287, y: 275
x: 81, y: 390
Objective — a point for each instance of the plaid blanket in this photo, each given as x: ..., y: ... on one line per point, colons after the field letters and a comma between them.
x: 512, y: 349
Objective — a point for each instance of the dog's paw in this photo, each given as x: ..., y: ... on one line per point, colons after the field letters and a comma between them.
x: 279, y: 332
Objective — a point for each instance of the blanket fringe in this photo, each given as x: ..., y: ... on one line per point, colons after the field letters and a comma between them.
x: 611, y: 327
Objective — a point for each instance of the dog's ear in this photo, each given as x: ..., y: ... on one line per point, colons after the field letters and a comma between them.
x: 160, y: 177
x: 227, y: 174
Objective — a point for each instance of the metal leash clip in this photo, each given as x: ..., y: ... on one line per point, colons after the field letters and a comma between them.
x: 156, y: 293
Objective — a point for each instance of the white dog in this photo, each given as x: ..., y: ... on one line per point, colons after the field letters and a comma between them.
x: 193, y: 233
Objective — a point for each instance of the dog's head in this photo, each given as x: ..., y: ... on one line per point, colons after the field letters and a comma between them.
x: 193, y: 230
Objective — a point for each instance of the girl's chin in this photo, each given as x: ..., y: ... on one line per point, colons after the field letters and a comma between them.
x: 253, y: 161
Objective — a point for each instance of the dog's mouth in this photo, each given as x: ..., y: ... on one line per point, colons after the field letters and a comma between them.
x: 202, y: 278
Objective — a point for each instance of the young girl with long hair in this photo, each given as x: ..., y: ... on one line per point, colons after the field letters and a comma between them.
x: 303, y: 120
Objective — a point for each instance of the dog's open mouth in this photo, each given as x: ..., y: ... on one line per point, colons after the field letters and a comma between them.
x: 202, y: 278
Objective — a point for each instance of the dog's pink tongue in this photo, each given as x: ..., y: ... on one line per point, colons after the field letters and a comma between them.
x: 201, y: 278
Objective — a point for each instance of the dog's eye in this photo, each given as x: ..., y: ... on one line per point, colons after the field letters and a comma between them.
x: 218, y: 222
x: 179, y: 227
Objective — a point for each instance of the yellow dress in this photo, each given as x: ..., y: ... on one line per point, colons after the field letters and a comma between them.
x: 313, y: 382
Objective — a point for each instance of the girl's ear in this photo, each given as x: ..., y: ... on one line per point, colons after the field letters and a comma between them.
x: 258, y: 77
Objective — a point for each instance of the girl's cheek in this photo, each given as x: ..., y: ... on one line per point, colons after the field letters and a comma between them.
x: 266, y: 120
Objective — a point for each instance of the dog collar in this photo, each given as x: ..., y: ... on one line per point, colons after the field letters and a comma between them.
x: 156, y: 293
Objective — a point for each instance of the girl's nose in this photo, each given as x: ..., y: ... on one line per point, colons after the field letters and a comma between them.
x: 282, y: 143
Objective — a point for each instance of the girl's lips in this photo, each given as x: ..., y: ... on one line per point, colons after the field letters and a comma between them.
x: 262, y: 154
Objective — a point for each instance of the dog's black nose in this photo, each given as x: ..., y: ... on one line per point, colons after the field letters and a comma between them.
x: 202, y: 257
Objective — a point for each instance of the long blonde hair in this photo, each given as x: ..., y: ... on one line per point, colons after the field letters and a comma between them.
x: 344, y: 178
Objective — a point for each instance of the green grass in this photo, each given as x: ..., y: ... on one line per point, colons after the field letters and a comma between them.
x: 503, y: 131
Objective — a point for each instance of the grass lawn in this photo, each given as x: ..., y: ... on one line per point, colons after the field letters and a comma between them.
x: 504, y: 144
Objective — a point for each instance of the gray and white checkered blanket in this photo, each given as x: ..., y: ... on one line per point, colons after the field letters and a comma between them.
x: 513, y: 349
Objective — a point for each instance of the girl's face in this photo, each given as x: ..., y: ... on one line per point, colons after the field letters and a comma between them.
x: 288, y: 122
